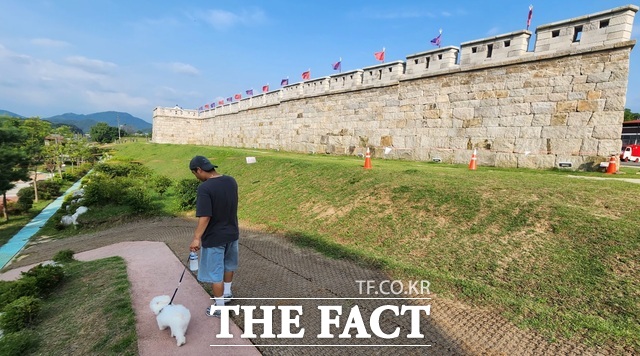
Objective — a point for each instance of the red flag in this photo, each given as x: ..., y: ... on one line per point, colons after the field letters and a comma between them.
x: 530, y: 15
x: 379, y: 55
x: 265, y: 88
x: 220, y: 102
x: 238, y: 96
x: 306, y: 75
x: 206, y: 106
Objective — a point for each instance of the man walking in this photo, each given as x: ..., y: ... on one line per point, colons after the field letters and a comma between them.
x: 217, y: 232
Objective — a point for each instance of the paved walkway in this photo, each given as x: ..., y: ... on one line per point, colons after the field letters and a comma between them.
x: 277, y: 273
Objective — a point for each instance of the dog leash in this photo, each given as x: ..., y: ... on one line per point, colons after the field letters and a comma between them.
x: 180, y: 281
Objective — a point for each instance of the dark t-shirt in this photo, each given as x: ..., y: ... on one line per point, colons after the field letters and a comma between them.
x: 218, y: 198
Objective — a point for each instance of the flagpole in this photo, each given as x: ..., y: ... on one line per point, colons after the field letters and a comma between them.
x: 340, y: 67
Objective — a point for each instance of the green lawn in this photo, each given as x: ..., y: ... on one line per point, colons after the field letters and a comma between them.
x: 549, y: 251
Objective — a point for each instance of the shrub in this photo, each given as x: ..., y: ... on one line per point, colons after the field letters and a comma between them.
x: 64, y: 256
x: 25, y: 199
x: 187, y: 193
x: 162, y: 184
x: 123, y: 170
x: 47, y: 277
x: 138, y: 199
x: 77, y: 172
x: 19, y: 343
x: 20, y: 313
x: 49, y: 189
x: 100, y: 190
x: 12, y: 290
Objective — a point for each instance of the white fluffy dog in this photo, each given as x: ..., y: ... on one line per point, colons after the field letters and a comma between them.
x: 175, y: 316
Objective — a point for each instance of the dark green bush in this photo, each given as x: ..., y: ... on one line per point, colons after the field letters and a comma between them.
x: 47, y: 277
x: 186, y: 191
x: 74, y: 174
x: 12, y: 290
x: 161, y: 184
x: 123, y: 170
x: 138, y: 199
x: 49, y: 189
x: 25, y: 199
x: 64, y: 256
x: 100, y: 190
x: 20, y: 314
x: 19, y: 343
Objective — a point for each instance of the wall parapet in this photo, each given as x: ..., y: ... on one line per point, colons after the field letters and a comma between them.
x: 562, y: 101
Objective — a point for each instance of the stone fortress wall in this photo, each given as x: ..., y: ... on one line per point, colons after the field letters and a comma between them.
x: 561, y: 103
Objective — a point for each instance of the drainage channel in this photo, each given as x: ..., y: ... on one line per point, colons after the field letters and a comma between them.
x: 19, y: 240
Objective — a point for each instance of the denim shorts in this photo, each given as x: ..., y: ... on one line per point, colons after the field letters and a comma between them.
x: 214, y: 261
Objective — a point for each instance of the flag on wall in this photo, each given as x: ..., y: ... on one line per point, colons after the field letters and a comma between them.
x: 306, y: 75
x: 206, y: 106
x: 379, y: 55
x: 213, y: 105
x: 338, y: 65
x: 530, y: 15
x: 249, y: 92
x: 220, y: 102
x: 229, y: 99
x: 200, y: 108
x: 436, y: 40
x: 237, y: 96
x: 284, y: 82
x: 265, y: 88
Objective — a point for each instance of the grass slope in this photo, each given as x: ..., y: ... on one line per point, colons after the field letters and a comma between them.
x: 91, y: 313
x: 551, y: 252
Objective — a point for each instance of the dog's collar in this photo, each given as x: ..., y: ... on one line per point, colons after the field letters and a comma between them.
x: 161, y: 309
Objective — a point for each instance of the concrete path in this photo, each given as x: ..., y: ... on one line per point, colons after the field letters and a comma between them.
x: 154, y: 270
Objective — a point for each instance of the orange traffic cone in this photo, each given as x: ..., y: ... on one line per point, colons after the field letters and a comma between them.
x: 472, y: 163
x: 367, y: 160
x: 611, y: 168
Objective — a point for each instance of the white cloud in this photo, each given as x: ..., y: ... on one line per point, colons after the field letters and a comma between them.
x: 91, y: 65
x: 223, y: 20
x: 46, y: 87
x: 180, y: 68
x: 47, y: 42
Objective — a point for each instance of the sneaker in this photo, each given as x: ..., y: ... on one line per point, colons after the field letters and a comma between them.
x: 227, y: 298
x: 215, y: 313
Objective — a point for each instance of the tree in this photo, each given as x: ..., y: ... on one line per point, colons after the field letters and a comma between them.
x: 56, y: 149
x: 36, y: 131
x: 629, y: 116
x: 14, y: 162
x: 103, y: 133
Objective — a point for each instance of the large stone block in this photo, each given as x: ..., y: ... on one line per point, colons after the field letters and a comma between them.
x: 607, y: 132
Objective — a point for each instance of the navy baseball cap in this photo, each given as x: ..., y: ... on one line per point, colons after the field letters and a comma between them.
x: 201, y: 162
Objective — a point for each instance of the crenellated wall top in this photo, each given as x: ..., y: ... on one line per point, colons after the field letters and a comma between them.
x: 577, y: 35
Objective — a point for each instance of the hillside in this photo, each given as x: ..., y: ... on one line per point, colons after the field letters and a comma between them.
x: 9, y: 113
x: 129, y: 122
x: 112, y: 118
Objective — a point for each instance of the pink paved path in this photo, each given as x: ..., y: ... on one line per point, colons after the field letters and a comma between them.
x: 154, y: 270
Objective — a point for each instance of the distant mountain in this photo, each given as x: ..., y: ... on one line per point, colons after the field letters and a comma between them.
x: 128, y: 122
x: 9, y: 113
x: 111, y: 118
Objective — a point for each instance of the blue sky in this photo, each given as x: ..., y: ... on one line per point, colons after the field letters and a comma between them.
x: 79, y: 56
